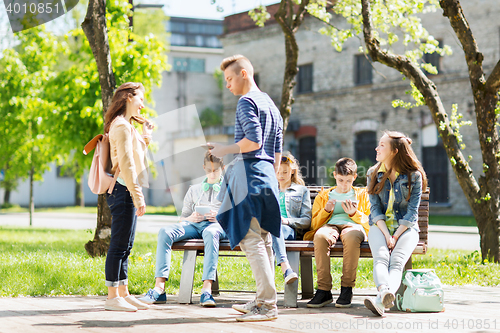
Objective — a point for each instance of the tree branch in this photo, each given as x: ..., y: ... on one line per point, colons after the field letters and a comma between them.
x: 493, y: 82
x: 453, y: 10
x: 429, y: 91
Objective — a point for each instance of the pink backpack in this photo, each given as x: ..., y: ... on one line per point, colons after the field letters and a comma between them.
x: 100, y: 179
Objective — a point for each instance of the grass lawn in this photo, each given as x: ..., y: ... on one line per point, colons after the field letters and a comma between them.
x: 457, y: 220
x: 151, y: 210
x: 47, y: 262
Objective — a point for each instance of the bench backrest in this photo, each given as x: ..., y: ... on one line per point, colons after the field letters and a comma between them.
x: 423, y: 212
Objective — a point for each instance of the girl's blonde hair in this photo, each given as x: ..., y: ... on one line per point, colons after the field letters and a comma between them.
x: 288, y: 158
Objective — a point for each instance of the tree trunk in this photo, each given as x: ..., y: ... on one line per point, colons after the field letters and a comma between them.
x: 6, y: 197
x: 290, y: 23
x: 94, y: 27
x: 79, y: 193
x: 483, y: 195
x: 32, y: 201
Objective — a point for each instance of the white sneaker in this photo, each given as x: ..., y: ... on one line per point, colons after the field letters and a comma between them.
x: 245, y: 308
x: 118, y: 304
x: 135, y: 302
x: 259, y: 314
x: 387, y: 298
x: 375, y: 306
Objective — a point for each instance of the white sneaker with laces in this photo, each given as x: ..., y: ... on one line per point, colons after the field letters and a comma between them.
x: 387, y: 298
x: 245, y: 308
x: 135, y: 302
x: 259, y: 314
x: 118, y: 304
x: 375, y: 305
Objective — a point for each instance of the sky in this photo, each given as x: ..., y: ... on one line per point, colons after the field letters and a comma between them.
x: 179, y: 8
x: 204, y: 8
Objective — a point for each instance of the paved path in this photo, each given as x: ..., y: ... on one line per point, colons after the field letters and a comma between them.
x: 468, y: 309
x: 443, y: 237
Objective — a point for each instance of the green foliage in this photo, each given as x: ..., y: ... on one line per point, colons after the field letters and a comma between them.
x: 259, y: 15
x: 456, y: 123
x: 152, y: 23
x: 25, y: 108
x: 51, y: 111
x: 392, y: 20
x: 209, y: 117
x: 219, y: 78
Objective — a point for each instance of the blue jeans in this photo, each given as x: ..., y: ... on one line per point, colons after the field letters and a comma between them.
x: 279, y: 248
x: 388, y: 265
x: 210, y: 232
x: 123, y: 226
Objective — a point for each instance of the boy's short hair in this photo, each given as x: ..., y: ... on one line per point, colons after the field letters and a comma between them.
x: 213, y: 159
x: 346, y: 167
x: 237, y: 62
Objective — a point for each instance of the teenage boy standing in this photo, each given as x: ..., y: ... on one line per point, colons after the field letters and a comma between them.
x: 339, y: 212
x: 249, y: 219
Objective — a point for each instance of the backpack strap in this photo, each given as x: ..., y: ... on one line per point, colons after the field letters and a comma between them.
x: 91, y: 144
x: 115, y: 177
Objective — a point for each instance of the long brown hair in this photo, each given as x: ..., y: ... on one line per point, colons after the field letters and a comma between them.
x: 405, y: 162
x: 294, y: 165
x: 118, y: 105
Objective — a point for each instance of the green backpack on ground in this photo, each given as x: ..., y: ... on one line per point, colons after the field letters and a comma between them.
x: 424, y: 292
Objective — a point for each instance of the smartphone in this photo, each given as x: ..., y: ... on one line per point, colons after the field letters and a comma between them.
x: 207, y: 147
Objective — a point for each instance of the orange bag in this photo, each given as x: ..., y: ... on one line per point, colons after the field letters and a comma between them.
x: 100, y: 179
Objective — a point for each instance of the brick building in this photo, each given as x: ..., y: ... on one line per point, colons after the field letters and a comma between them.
x: 343, y: 103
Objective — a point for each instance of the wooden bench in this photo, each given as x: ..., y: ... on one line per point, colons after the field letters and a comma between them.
x: 298, y: 252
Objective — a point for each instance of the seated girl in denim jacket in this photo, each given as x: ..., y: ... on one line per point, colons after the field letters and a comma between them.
x: 395, y: 186
x: 295, y: 208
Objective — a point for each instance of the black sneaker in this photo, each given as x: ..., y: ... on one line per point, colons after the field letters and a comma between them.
x: 320, y: 299
x: 345, y: 298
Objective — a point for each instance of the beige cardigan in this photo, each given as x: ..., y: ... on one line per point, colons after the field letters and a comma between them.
x: 128, y: 151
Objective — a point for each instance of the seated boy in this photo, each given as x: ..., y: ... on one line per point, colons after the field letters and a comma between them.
x: 341, y: 211
x: 193, y: 226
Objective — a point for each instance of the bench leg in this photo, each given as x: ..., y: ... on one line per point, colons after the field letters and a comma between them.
x: 187, y: 277
x: 306, y: 276
x: 292, y: 289
x: 215, y: 285
x: 402, y: 287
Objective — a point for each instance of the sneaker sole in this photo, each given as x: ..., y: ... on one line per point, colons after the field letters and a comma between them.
x: 255, y: 319
x: 241, y: 310
x: 112, y: 308
x: 388, y: 300
x: 337, y: 305
x: 370, y: 306
x: 208, y: 305
x: 149, y: 302
x: 320, y: 305
x: 291, y: 279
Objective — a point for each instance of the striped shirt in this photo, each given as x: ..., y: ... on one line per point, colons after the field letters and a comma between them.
x: 259, y: 120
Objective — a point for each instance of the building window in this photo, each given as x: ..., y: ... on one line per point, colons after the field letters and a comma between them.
x: 177, y: 39
x: 307, y: 159
x: 435, y: 163
x: 189, y: 65
x: 305, y: 79
x: 177, y: 26
x: 434, y: 59
x: 363, y: 70
x: 364, y: 146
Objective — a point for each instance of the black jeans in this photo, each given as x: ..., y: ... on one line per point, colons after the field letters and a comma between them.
x: 124, y: 222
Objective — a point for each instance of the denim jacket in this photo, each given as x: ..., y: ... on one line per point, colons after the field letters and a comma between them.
x: 406, y: 211
x: 298, y: 206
